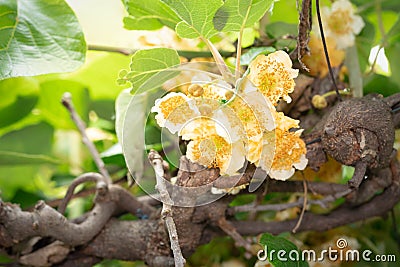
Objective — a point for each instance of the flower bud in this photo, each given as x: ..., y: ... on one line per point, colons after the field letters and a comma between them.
x: 228, y: 94
x: 205, y: 109
x: 319, y: 102
x: 195, y: 90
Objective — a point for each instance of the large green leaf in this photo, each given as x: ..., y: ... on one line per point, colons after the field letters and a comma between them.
x: 18, y: 97
x: 38, y: 37
x: 197, y: 17
x: 236, y: 15
x: 287, y: 251
x: 149, y: 15
x: 147, y: 63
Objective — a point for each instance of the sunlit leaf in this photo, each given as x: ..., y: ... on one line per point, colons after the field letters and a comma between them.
x: 149, y: 15
x: 147, y: 63
x: 196, y: 16
x: 235, y: 15
x: 38, y: 37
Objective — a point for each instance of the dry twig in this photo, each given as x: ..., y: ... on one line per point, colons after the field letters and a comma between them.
x: 68, y: 104
x: 166, y: 213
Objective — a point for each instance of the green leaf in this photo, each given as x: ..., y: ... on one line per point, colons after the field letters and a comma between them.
x: 129, y: 126
x: 287, y: 250
x: 279, y: 29
x: 38, y: 37
x: 392, y: 50
x: 197, y: 17
x: 50, y: 106
x: 370, y: 6
x: 383, y: 85
x: 15, y: 158
x: 35, y: 139
x: 114, y: 155
x: 364, y: 43
x: 147, y: 63
x: 236, y: 15
x: 18, y: 97
x: 149, y: 15
x: 253, y: 52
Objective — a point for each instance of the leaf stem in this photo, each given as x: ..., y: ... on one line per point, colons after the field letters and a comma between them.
x: 355, y: 76
x: 223, y: 68
x: 238, y: 54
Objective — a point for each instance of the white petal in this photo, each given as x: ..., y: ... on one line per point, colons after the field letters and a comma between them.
x: 201, y: 78
x: 281, y: 174
x: 228, y: 125
x: 236, y: 161
x: 357, y: 25
x: 302, y: 164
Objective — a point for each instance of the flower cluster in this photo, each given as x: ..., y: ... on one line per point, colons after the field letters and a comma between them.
x: 226, y: 126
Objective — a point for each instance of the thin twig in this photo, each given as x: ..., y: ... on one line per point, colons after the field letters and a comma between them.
x: 189, y: 54
x: 303, y: 208
x: 86, y: 177
x: 284, y: 206
x: 166, y: 213
x: 230, y: 230
x: 259, y: 199
x: 68, y: 104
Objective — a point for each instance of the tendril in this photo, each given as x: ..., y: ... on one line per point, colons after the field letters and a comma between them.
x: 326, y: 51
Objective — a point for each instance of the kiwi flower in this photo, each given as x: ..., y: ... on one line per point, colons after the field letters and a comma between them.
x: 341, y: 23
x: 273, y: 76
